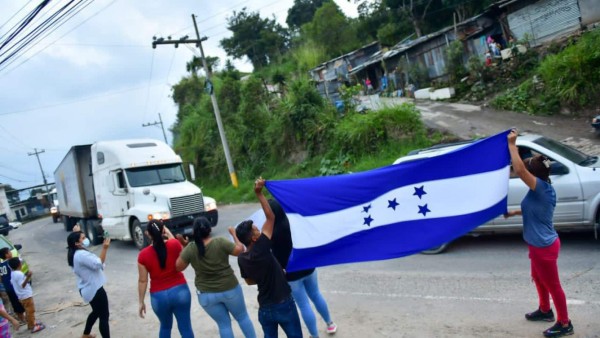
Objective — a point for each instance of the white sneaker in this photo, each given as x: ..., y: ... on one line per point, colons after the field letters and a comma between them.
x: 331, y: 328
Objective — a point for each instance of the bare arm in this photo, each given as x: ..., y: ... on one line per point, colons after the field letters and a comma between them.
x: 167, y: 233
x: 181, y: 264
x: 142, y: 286
x: 239, y: 247
x: 105, y: 246
x: 267, y: 228
x: 517, y: 162
x: 250, y: 281
x: 15, y: 323
x: 27, y: 279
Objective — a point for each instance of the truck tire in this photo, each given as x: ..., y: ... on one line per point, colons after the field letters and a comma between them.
x: 91, y: 231
x: 54, y: 218
x: 137, y: 234
x: 68, y: 223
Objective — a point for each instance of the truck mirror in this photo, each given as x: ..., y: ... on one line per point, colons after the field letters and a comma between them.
x: 18, y: 247
x: 192, y: 173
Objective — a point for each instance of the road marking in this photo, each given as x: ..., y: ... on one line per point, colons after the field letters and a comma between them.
x: 431, y: 297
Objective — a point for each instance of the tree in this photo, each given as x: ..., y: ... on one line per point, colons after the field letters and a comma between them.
x: 413, y: 10
x: 195, y: 64
x: 302, y: 12
x: 465, y: 9
x: 262, y: 41
x: 332, y: 30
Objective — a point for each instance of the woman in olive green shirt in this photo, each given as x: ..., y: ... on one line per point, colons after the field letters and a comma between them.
x: 219, y: 292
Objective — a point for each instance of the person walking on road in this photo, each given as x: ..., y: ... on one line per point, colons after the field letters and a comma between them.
x: 537, y: 209
x: 304, y: 283
x: 89, y: 270
x: 169, y: 292
x: 259, y: 266
x: 219, y: 292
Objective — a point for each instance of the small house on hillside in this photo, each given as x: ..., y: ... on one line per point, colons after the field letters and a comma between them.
x: 330, y: 75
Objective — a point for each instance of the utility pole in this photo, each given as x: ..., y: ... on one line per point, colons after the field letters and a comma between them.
x: 36, y: 153
x: 161, y: 126
x: 213, y: 98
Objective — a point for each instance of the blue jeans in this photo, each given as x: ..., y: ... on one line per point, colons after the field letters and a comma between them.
x: 174, y: 301
x: 218, y: 305
x: 283, y: 314
x: 303, y: 289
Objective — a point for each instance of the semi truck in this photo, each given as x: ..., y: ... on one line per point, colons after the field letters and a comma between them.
x: 114, y: 188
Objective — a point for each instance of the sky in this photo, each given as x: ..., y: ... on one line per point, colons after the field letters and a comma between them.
x: 98, y: 78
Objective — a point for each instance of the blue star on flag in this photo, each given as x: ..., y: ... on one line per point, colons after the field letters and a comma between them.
x: 366, y: 209
x: 393, y: 204
x: 420, y: 191
x: 424, y: 210
x: 368, y: 220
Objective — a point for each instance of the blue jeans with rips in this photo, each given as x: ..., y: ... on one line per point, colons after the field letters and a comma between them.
x: 307, y: 288
x: 283, y: 314
x: 174, y: 301
x: 218, y: 305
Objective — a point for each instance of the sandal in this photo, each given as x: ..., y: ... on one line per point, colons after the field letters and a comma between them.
x: 38, y: 327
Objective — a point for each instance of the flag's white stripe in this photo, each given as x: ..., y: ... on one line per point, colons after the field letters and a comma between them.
x: 448, y: 197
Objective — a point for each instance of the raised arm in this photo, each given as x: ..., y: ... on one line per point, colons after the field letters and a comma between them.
x: 267, y: 228
x: 239, y: 247
x: 517, y: 162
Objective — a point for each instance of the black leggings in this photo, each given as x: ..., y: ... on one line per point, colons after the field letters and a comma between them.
x: 99, y: 310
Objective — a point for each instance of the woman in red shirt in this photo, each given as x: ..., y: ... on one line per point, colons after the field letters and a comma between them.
x: 169, y: 292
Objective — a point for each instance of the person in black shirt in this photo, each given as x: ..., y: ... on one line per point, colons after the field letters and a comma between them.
x: 304, y: 283
x: 259, y: 266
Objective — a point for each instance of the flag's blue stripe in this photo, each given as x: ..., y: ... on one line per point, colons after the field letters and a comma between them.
x: 318, y: 195
x: 392, y: 241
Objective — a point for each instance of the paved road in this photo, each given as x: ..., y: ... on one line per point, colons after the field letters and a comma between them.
x: 479, y: 288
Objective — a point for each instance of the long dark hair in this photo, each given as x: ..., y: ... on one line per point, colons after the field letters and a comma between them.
x: 155, y: 229
x: 202, y: 230
x: 72, y: 240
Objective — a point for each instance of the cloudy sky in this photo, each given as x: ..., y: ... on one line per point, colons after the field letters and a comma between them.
x: 96, y: 77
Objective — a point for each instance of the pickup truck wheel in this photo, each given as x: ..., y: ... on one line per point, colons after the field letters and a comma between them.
x: 137, y: 233
x: 435, y: 250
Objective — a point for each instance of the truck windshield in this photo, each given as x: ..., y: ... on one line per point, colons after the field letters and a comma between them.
x: 155, y: 175
x: 563, y: 150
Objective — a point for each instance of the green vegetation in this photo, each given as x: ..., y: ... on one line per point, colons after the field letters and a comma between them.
x: 569, y: 79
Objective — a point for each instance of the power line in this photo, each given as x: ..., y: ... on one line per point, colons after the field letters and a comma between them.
x: 155, y: 123
x: 69, y: 31
x: 79, y: 100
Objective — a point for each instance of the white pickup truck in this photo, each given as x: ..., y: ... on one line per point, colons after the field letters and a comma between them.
x: 575, y: 177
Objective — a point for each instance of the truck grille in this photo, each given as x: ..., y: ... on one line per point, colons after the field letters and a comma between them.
x: 186, y: 205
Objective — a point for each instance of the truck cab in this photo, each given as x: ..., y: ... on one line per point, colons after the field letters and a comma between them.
x: 136, y: 181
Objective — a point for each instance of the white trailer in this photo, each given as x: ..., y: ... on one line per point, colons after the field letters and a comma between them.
x: 116, y: 187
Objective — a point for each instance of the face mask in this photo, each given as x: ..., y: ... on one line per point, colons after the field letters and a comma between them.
x: 86, y: 242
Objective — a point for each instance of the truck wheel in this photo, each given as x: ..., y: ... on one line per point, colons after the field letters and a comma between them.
x: 137, y: 234
x: 68, y: 223
x: 91, y: 232
x: 54, y: 219
x: 436, y: 250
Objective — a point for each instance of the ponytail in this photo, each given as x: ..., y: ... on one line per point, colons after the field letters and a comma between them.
x: 202, y: 230
x: 72, y: 240
x: 155, y: 229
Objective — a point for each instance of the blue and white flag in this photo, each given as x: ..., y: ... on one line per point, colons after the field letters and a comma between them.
x: 396, y: 210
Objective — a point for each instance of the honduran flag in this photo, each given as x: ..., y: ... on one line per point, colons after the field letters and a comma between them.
x: 396, y: 210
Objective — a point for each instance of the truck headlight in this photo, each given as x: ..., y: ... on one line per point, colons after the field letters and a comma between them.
x: 210, y: 206
x: 159, y: 216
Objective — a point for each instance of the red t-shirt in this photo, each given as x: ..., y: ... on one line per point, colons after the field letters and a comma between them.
x: 162, y: 279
